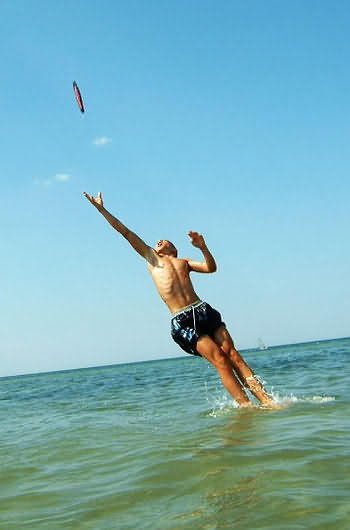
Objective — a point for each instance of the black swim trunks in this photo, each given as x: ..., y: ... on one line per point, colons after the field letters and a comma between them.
x: 190, y: 323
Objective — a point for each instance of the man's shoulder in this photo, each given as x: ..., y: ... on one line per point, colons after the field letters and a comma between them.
x: 182, y: 263
x: 184, y: 260
x: 177, y: 262
x: 152, y: 257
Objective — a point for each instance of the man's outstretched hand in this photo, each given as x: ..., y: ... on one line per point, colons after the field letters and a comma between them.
x: 98, y: 203
x: 196, y: 239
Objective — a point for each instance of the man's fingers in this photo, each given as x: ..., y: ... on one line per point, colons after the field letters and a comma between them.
x: 91, y: 198
x: 194, y: 236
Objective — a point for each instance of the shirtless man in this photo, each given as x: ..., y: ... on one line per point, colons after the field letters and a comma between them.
x: 195, y: 326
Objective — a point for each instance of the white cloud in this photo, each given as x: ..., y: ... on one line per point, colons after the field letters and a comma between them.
x: 101, y: 141
x: 45, y: 183
x: 62, y: 177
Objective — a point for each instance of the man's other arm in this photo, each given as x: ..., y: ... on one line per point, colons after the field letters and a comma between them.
x: 209, y: 264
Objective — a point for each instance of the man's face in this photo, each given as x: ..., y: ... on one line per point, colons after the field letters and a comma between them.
x: 164, y: 246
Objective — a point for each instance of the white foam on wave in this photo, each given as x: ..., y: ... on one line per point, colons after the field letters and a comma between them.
x: 291, y: 399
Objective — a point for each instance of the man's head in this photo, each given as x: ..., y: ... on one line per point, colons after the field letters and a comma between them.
x: 165, y: 248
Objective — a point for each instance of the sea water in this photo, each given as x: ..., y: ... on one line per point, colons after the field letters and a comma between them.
x: 160, y: 445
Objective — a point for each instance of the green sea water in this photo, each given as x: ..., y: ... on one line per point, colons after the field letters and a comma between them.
x: 159, y: 445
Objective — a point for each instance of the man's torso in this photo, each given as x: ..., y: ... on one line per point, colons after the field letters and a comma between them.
x: 172, y: 280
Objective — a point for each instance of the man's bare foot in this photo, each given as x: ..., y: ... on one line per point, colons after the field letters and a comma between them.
x: 272, y: 405
x: 247, y: 405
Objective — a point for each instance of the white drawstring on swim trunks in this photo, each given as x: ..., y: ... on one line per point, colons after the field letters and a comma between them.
x: 194, y: 319
x: 188, y: 308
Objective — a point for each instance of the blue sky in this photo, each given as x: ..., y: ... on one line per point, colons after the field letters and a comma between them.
x: 229, y: 118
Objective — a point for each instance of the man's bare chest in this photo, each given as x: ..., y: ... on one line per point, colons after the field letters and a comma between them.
x: 168, y: 271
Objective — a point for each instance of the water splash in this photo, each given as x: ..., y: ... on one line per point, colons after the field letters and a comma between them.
x: 222, y: 404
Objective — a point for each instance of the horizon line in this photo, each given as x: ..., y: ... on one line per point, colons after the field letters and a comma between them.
x: 246, y: 350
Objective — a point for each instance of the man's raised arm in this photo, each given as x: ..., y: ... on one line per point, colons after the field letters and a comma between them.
x: 135, y: 241
x: 208, y: 265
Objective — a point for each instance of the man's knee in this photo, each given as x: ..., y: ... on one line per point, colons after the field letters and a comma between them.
x: 208, y: 349
x: 221, y: 361
x: 235, y: 357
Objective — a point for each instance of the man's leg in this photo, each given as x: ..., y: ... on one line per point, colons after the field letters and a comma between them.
x: 223, y: 340
x: 208, y: 349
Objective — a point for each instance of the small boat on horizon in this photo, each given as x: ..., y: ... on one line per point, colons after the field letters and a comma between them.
x: 261, y: 344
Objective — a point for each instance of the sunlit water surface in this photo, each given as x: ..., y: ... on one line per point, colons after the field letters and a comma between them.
x: 160, y: 445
